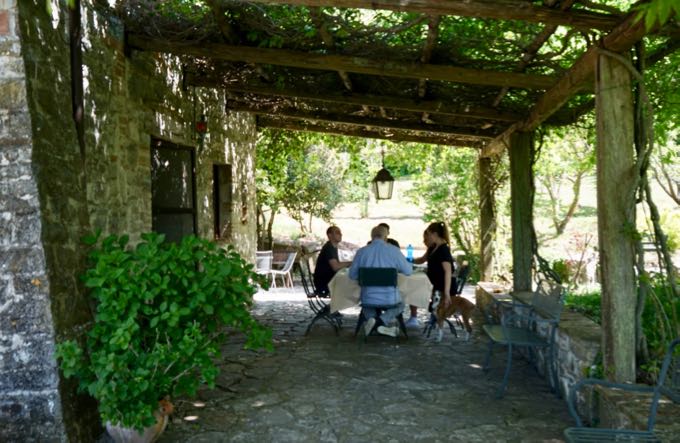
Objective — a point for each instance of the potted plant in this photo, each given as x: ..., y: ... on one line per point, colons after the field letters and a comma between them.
x: 161, y: 313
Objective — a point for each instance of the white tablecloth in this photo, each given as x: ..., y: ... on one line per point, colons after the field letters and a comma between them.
x: 415, y: 290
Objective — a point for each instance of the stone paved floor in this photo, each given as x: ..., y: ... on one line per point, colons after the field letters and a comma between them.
x: 323, y: 388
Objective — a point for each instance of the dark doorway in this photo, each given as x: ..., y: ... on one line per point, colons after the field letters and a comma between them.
x: 173, y: 190
x: 222, y: 203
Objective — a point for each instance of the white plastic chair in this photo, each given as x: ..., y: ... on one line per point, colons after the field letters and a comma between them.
x: 263, y: 262
x: 284, y: 272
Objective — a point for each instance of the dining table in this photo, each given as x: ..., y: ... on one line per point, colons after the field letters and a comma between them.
x: 415, y: 290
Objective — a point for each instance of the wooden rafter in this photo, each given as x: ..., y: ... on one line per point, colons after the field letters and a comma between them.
x: 430, y: 43
x: 328, y: 41
x: 621, y: 39
x: 358, y: 65
x: 495, y: 9
x: 392, y: 135
x: 360, y: 121
x: 228, y: 32
x: 572, y: 115
x: 387, y: 102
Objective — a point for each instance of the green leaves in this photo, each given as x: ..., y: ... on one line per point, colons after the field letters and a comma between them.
x: 657, y: 12
x: 160, y: 307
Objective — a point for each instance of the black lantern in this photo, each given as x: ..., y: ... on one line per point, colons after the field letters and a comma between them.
x: 383, y: 182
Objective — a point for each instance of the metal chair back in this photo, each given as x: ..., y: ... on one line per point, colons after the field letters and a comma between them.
x: 378, y: 277
x: 548, y: 299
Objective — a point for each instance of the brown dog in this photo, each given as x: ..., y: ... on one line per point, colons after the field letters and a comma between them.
x: 460, y: 306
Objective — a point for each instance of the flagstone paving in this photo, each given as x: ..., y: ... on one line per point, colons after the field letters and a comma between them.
x: 323, y: 388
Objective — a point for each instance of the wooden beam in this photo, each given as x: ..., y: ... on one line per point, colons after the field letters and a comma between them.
x: 520, y: 209
x: 394, y: 136
x: 360, y: 121
x: 383, y: 101
x: 360, y: 65
x: 621, y: 39
x: 495, y: 9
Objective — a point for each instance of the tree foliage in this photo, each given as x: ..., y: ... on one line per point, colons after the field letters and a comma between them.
x: 566, y: 158
x: 447, y: 189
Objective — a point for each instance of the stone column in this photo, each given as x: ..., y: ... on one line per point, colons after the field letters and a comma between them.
x: 520, y: 194
x: 616, y: 216
x: 29, y: 382
x: 487, y: 219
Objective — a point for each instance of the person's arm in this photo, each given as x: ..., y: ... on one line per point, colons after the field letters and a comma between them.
x: 423, y: 258
x: 446, y: 297
x: 354, y: 268
x: 404, y: 266
x: 336, y: 265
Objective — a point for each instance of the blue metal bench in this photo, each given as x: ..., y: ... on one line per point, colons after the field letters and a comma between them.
x: 521, y: 330
x: 668, y: 385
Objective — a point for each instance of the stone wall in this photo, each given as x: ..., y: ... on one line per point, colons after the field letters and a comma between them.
x: 52, y: 192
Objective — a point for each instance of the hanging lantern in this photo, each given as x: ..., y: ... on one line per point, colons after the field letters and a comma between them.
x: 383, y: 183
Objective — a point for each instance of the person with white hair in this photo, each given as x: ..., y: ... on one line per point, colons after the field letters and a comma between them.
x: 380, y: 254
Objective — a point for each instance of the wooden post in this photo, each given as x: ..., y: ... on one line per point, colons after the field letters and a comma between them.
x: 520, y: 196
x: 616, y: 216
x: 487, y: 219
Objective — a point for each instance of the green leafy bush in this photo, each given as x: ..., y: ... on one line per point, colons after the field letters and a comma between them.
x: 161, y: 312
x: 660, y: 319
x: 588, y: 304
x: 561, y: 269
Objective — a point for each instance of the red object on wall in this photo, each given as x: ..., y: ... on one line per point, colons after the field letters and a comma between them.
x: 202, y: 125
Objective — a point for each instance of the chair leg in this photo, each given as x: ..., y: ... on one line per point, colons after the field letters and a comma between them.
x: 360, y: 322
x: 501, y: 390
x: 323, y: 313
x: 487, y: 360
x: 429, y: 325
x: 402, y: 325
x: 553, y: 371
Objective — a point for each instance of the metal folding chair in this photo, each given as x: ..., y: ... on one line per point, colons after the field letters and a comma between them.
x: 318, y: 303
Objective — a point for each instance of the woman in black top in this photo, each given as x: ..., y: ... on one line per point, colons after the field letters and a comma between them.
x: 439, y: 260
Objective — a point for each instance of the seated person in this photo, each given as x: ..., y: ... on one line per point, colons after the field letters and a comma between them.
x: 328, y: 263
x: 413, y: 321
x: 388, y: 239
x: 379, y: 254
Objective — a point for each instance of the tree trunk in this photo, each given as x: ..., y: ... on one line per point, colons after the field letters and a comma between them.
x: 616, y: 178
x: 562, y: 225
x: 270, y: 226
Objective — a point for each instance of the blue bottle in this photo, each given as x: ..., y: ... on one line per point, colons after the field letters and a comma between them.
x: 409, y: 253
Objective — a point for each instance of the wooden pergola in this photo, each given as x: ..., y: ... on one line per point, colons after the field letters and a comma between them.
x: 415, y: 82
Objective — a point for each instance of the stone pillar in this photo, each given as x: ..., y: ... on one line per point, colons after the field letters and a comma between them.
x: 43, y: 213
x: 520, y: 195
x: 29, y: 382
x: 616, y: 216
x: 487, y: 219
